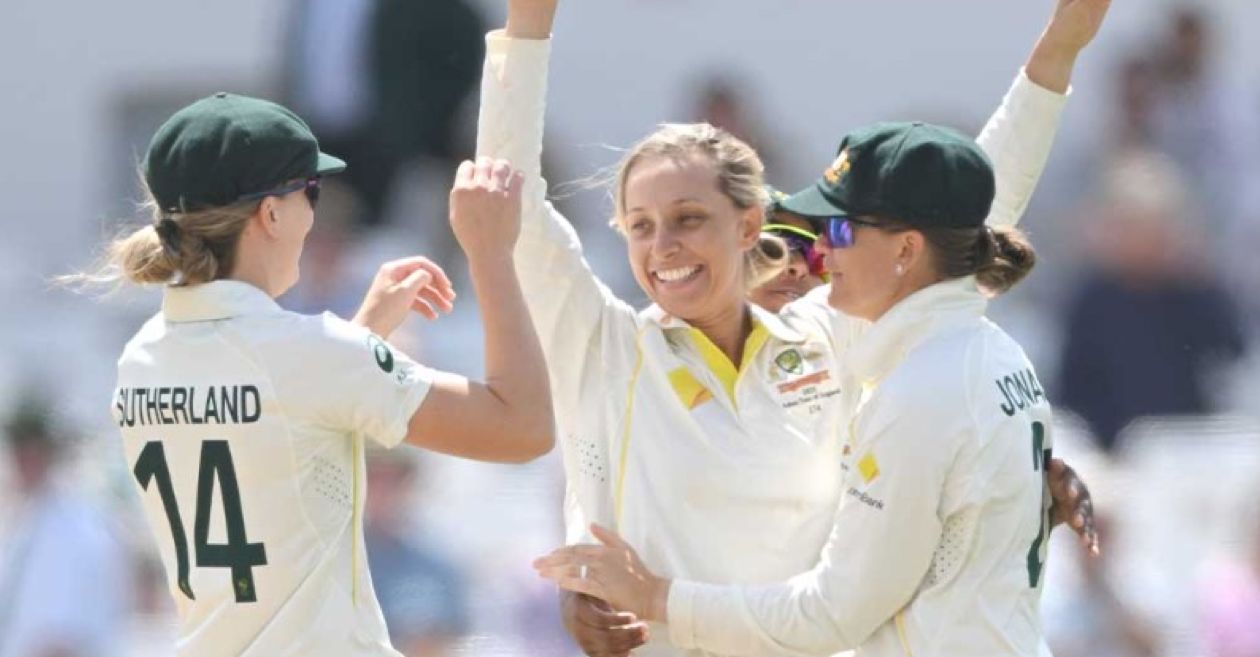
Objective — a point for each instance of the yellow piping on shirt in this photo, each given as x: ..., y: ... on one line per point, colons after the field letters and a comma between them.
x: 900, y: 621
x: 356, y: 527
x: 625, y: 431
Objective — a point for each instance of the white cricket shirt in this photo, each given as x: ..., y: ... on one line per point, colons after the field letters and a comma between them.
x: 940, y: 539
x: 244, y: 426
x: 714, y: 471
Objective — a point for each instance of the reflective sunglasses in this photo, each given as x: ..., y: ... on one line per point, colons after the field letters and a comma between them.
x: 802, y: 241
x: 310, y: 185
x: 839, y: 231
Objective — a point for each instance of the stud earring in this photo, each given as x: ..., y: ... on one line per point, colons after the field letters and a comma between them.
x: 901, y: 269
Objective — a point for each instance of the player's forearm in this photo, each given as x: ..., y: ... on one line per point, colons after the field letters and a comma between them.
x: 516, y: 372
x: 530, y: 19
x: 1050, y: 66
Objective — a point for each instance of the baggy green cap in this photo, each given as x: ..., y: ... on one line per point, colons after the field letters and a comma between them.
x: 924, y: 175
x: 223, y: 147
x: 777, y: 198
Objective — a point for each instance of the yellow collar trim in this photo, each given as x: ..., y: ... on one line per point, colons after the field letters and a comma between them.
x: 721, y: 366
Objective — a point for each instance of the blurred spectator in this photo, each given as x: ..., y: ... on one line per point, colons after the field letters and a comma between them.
x: 328, y: 280
x: 381, y: 82
x: 1198, y: 119
x: 1188, y: 108
x: 1231, y: 604
x: 1149, y: 323
x: 63, y: 576
x: 721, y: 102
x: 1086, y: 616
x: 422, y: 594
x: 1135, y: 85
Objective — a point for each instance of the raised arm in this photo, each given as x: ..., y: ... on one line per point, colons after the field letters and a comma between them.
x: 508, y: 417
x: 1019, y: 135
x: 576, y: 316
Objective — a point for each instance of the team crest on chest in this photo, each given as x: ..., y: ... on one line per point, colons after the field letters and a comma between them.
x: 790, y: 361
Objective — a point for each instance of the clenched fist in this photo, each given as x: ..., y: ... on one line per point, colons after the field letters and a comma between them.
x: 486, y: 207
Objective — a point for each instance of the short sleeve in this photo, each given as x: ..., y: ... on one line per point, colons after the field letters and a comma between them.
x: 348, y: 379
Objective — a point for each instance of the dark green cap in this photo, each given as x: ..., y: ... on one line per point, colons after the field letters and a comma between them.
x: 776, y: 203
x: 924, y: 175
x: 224, y: 147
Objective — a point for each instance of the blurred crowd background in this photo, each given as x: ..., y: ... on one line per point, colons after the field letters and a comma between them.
x: 1143, y: 317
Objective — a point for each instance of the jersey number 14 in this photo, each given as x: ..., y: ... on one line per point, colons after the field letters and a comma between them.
x: 238, y: 553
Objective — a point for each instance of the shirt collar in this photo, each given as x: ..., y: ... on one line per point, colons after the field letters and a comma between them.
x: 916, y: 318
x: 215, y: 300
x: 774, y: 325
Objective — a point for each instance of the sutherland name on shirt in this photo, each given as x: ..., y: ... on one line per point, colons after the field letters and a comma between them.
x: 231, y: 404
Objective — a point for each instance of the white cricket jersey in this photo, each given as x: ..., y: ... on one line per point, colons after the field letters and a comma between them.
x: 938, y: 545
x: 244, y: 426
x: 714, y: 471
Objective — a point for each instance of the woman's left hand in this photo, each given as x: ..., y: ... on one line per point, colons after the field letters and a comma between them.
x: 611, y: 572
x: 1072, y: 503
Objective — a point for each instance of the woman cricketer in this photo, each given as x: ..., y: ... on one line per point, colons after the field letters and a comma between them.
x: 245, y: 425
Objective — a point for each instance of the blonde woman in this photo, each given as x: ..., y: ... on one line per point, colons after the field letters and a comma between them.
x: 245, y: 424
x: 704, y: 429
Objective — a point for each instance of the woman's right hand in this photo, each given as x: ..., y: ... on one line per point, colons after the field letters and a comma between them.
x: 598, y: 630
x: 486, y: 208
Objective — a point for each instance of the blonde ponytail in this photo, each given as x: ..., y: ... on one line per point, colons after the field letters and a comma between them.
x: 188, y: 248
x: 765, y: 261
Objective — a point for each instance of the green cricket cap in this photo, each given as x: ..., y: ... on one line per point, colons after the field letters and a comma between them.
x: 777, y: 198
x: 925, y: 175
x: 223, y: 147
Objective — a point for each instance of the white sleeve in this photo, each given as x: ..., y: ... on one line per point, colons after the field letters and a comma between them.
x: 881, y: 546
x: 348, y: 379
x: 573, y: 312
x: 1017, y: 139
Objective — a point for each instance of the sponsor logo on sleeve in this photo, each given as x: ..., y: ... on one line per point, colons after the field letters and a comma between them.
x: 380, y: 351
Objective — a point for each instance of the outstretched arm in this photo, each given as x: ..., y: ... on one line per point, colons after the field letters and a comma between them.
x: 887, y: 523
x: 1019, y: 135
x: 509, y: 416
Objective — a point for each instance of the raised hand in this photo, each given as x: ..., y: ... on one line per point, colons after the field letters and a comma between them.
x: 1073, y: 26
x: 530, y: 19
x: 400, y: 287
x: 598, y: 629
x: 486, y: 208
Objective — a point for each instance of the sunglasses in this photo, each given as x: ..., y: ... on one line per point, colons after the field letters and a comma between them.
x: 310, y: 186
x: 801, y: 241
x: 839, y: 231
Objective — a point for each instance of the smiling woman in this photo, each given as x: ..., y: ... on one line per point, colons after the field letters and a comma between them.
x: 690, y: 201
x: 706, y: 430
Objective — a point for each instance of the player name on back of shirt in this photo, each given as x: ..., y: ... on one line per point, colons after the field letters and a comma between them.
x: 1021, y: 390
x: 229, y: 404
